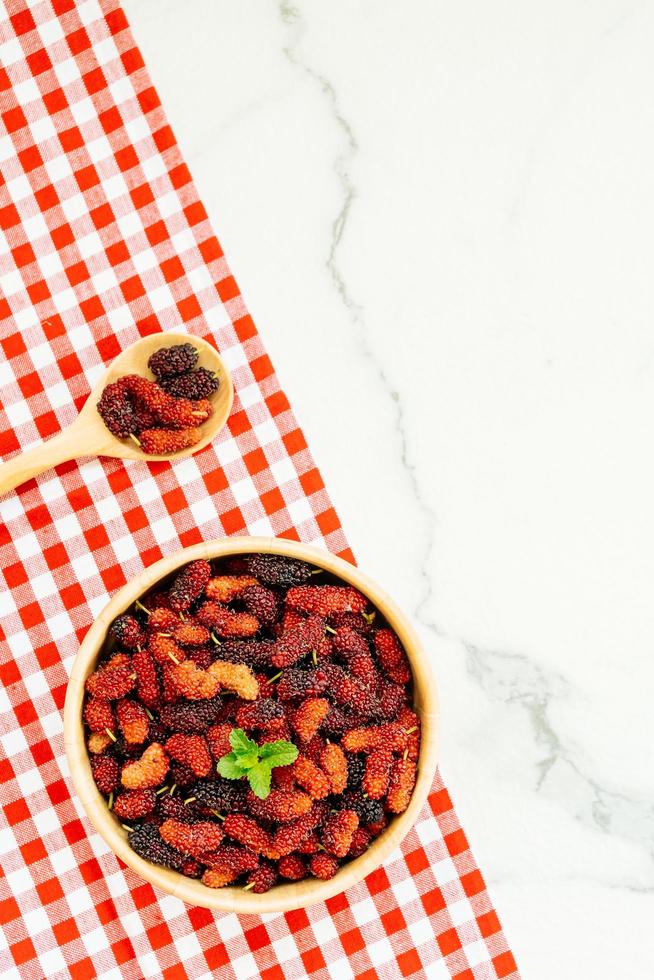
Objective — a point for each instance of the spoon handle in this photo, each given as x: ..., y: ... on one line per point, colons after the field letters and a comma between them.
x: 68, y: 444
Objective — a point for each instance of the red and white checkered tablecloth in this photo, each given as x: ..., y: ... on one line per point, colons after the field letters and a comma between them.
x: 103, y: 239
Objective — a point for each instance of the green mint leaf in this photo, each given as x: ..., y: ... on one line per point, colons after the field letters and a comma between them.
x: 259, y: 779
x: 241, y: 744
x: 229, y: 767
x: 279, y: 753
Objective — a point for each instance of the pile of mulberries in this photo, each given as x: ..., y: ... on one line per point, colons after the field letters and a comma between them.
x: 165, y: 415
x: 279, y: 651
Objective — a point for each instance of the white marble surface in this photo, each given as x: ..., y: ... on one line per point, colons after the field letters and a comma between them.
x: 442, y: 219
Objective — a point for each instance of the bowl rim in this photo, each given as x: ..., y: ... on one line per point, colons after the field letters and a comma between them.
x: 291, y: 895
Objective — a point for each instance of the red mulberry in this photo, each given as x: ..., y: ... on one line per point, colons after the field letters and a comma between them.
x: 261, y: 603
x: 147, y: 680
x: 392, y: 657
x: 334, y: 763
x: 194, y: 839
x: 105, y: 773
x: 133, y: 721
x: 338, y: 830
x: 226, y: 588
x: 99, y: 715
x: 323, y: 600
x: 323, y: 866
x: 188, y: 584
x: 308, y: 718
x: 148, y: 771
x: 311, y: 778
x: 134, y: 804
x: 376, y: 776
x: 281, y: 805
x: 401, y: 783
x: 192, y: 750
x: 111, y: 683
x: 248, y: 832
x: 262, y: 878
x: 292, y: 867
x: 126, y: 630
x: 258, y: 714
x: 226, y: 623
x: 296, y: 684
x: 298, y: 642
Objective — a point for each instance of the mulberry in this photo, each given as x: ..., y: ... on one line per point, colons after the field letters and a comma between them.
x: 292, y: 866
x: 333, y: 762
x: 168, y: 361
x: 323, y: 866
x: 338, y: 830
x: 392, y: 657
x: 400, y: 786
x: 126, y: 630
x: 188, y: 584
x: 148, y: 771
x: 226, y: 623
x: 226, y: 588
x: 297, y: 642
x: 193, y: 385
x: 261, y: 603
x: 308, y: 718
x: 262, y: 878
x: 278, y: 570
x: 105, y: 773
x: 194, y: 839
x: 324, y: 600
x: 148, y: 688
x: 147, y: 843
x: 134, y: 804
x: 99, y: 715
x: 281, y: 805
x: 376, y: 776
x: 296, y: 684
x: 133, y: 721
x: 192, y: 751
x: 191, y: 719
x: 111, y: 683
x: 311, y: 778
x: 258, y: 714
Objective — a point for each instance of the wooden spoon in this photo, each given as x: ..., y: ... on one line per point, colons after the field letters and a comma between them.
x: 89, y: 436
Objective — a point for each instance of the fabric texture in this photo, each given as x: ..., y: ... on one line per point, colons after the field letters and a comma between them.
x: 103, y: 239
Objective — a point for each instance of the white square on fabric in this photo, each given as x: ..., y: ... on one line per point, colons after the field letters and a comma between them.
x: 11, y: 52
x: 36, y: 920
x: 96, y: 940
x: 50, y: 31
x: 89, y: 245
x: 30, y: 782
x: 65, y: 299
x: 26, y: 91
x: 169, y: 204
x: 11, y: 283
x: 285, y: 948
x: 460, y: 912
x: 59, y: 395
x: 476, y: 952
x: 50, y: 265
x: 120, y: 317
x: 46, y: 821
x: 100, y: 149
x: 52, y: 961
x: 18, y: 413
x: 7, y: 148
x: 121, y: 90
x: 105, y: 51
x: 445, y: 871
x: 74, y: 207
x: 161, y: 298
x: 19, y: 188
x: 35, y: 227
x: 153, y: 167
x: 58, y: 169
x: 42, y: 129
x: 114, y: 187
x: 245, y: 967
x: 44, y: 585
x: 137, y: 129
x: 103, y: 281
x: 67, y: 72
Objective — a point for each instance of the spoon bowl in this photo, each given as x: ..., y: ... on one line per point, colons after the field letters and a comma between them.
x: 89, y: 436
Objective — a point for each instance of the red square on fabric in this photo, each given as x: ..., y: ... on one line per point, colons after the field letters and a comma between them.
x: 82, y: 970
x: 257, y: 938
x: 16, y: 811
x: 94, y: 81
x: 117, y: 253
x: 102, y: 216
x: 409, y: 963
x: 216, y: 956
x: 71, y: 139
x: 46, y: 197
x: 352, y: 941
x: 8, y: 910
x: 22, y: 951
x: 87, y: 177
x: 33, y: 850
x: 62, y: 236
x: 110, y: 119
x: 30, y: 158
x: 126, y: 158
x: 313, y: 960
x: 157, y: 233
x: 70, y: 365
x: 448, y: 942
x: 488, y: 923
x: 65, y: 931
x: 132, y: 288
x: 504, y: 964
x: 456, y: 843
x: 22, y: 22
x: 55, y: 100
x: 393, y: 921
x: 189, y: 308
x: 142, y: 196
x: 227, y: 289
x: 92, y: 308
x: 172, y: 269
x: 39, y: 61
x: 14, y: 119
x: 78, y: 41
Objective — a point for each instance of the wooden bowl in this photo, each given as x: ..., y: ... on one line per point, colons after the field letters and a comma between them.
x: 282, y: 897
